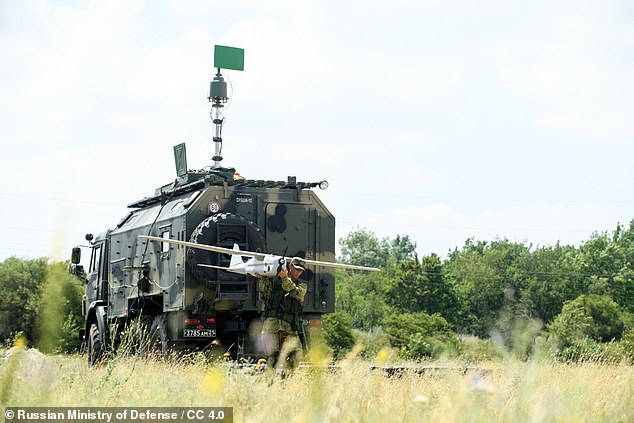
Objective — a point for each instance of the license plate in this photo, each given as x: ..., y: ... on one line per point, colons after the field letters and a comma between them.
x: 199, y: 333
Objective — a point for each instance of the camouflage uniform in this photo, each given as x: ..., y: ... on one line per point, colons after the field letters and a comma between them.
x: 282, y: 320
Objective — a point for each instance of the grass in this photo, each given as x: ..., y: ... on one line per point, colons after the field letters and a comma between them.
x: 513, y: 391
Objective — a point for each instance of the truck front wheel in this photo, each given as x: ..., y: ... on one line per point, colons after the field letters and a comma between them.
x: 95, y: 347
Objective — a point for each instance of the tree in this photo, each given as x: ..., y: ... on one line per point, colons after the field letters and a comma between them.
x: 622, y: 284
x: 41, y: 300
x: 20, y: 282
x: 361, y: 295
x: 422, y: 287
x: 605, y: 265
x: 545, y: 279
x: 483, y: 275
x: 362, y: 247
x: 402, y: 248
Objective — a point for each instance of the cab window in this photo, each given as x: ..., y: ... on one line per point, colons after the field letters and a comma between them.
x: 165, y: 234
x: 95, y: 259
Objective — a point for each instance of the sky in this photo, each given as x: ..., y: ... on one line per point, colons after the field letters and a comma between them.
x: 440, y: 120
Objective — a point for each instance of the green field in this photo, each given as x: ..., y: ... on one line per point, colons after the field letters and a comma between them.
x: 511, y: 391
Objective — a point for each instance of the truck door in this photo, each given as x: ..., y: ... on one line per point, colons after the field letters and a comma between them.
x: 96, y: 281
x: 92, y: 279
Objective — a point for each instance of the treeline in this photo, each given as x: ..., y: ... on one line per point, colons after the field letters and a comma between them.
x: 487, y: 297
x: 41, y: 302
x: 573, y: 302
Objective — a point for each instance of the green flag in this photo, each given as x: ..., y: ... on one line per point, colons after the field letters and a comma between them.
x: 229, y: 58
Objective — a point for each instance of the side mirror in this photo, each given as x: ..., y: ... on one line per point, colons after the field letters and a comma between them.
x: 77, y: 269
x: 75, y: 256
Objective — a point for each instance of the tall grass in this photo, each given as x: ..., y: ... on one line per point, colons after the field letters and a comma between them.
x: 513, y: 391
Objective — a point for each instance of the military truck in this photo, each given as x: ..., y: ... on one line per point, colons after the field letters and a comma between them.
x: 167, y: 293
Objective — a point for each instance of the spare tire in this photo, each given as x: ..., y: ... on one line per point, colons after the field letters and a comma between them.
x: 222, y: 230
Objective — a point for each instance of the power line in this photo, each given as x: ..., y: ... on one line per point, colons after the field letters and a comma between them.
x: 481, y: 228
x: 62, y: 200
x: 558, y: 201
x: 36, y: 229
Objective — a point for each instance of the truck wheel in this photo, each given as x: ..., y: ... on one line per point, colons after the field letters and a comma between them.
x: 157, y: 337
x: 95, y: 347
x: 223, y: 230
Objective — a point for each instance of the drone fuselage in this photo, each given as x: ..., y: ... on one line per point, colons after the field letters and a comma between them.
x: 264, y: 264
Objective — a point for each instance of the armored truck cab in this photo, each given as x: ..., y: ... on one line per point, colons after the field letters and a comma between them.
x: 167, y: 293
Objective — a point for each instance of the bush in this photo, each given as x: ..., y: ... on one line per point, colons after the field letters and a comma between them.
x: 584, y: 326
x: 419, y: 335
x: 593, y: 316
x: 338, y: 334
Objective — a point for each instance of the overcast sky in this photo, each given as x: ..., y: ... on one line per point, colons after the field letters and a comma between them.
x: 441, y: 120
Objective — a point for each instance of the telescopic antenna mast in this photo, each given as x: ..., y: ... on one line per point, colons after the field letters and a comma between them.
x: 224, y: 58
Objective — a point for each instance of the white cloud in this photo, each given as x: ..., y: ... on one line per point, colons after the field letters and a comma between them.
x: 551, y: 222
x: 430, y: 226
x: 573, y: 73
x: 438, y: 227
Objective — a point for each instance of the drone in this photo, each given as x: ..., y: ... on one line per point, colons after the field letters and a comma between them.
x: 257, y: 264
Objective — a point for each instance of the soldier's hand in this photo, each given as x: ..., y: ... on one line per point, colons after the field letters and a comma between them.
x: 257, y: 275
x: 283, y: 272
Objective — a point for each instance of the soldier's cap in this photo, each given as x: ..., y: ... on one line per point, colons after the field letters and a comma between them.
x: 295, y: 267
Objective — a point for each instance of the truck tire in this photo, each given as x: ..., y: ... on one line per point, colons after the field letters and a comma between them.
x: 223, y: 230
x: 95, y: 347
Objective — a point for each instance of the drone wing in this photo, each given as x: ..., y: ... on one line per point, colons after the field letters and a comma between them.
x: 205, y: 247
x: 258, y: 256
x: 331, y: 264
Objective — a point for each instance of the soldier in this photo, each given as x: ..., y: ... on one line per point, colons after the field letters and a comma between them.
x: 283, y: 298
